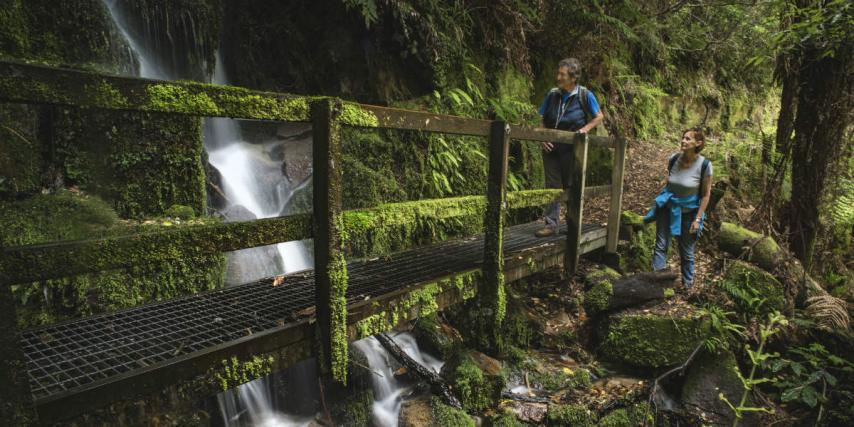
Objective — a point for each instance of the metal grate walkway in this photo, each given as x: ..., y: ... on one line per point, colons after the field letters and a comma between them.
x: 77, y: 353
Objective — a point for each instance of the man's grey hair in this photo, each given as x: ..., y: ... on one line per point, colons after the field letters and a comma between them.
x: 572, y: 65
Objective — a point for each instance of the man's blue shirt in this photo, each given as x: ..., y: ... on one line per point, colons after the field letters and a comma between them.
x: 573, y: 117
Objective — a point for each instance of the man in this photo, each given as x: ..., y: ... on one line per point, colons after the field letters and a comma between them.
x: 567, y: 107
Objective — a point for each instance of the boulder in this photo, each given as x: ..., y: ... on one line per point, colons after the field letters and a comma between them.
x: 516, y: 412
x: 652, y: 340
x: 438, y: 336
x: 573, y: 415
x: 416, y: 413
x: 613, y: 294
x: 639, y: 414
x: 743, y: 282
x: 476, y: 378
x: 708, y: 376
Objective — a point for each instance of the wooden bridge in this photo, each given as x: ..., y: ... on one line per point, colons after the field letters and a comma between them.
x: 88, y: 363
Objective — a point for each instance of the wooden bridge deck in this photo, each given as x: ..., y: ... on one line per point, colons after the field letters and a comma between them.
x: 80, y: 363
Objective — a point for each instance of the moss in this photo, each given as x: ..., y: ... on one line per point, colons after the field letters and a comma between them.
x: 338, y: 310
x: 21, y: 163
x: 234, y: 372
x: 176, y: 98
x: 597, y: 298
x: 352, y: 114
x: 355, y: 409
x: 638, y: 414
x: 562, y: 379
x: 506, y: 419
x: 441, y: 338
x: 65, y: 215
x: 652, y: 340
x: 422, y: 299
x: 763, y: 250
x: 571, y: 416
x: 746, y: 283
x: 447, y: 416
x: 180, y: 211
x: 476, y: 389
x: 641, y: 243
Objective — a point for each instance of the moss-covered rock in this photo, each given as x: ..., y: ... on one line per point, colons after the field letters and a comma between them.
x: 599, y: 284
x: 558, y: 378
x: 439, y: 336
x: 354, y: 410
x: 639, y: 414
x: 652, y: 340
x: 476, y: 378
x: 753, y: 289
x: 573, y: 415
x: 68, y: 216
x: 447, y: 416
x: 750, y: 245
x: 180, y: 212
x: 639, y: 250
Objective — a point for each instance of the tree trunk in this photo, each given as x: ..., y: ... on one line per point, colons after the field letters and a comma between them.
x: 437, y: 384
x: 823, y: 113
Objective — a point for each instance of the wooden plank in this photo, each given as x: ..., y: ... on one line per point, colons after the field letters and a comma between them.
x: 37, y: 84
x: 527, y: 133
x: 575, y: 204
x: 23, y: 264
x: 616, y: 196
x: 591, y: 192
x: 395, y: 118
x: 491, y: 295
x: 330, y: 269
x: 16, y: 404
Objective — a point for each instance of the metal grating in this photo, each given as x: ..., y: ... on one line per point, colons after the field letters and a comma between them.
x: 68, y: 355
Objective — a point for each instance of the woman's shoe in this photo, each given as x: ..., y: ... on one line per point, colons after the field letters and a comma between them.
x: 545, y: 232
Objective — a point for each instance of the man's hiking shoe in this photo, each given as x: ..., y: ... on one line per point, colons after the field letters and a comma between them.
x: 545, y: 232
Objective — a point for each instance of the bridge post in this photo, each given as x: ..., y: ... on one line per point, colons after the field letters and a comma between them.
x: 616, y: 195
x: 491, y: 295
x: 330, y: 268
x: 16, y: 400
x: 575, y: 204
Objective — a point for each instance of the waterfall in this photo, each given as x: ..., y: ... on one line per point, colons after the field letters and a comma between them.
x: 388, y: 389
x: 253, y: 184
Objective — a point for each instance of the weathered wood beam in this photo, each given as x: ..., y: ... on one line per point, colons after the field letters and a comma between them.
x: 616, y: 206
x: 527, y: 133
x: 575, y: 204
x: 36, y: 84
x: 492, y: 295
x: 23, y: 264
x: 395, y: 118
x: 330, y: 268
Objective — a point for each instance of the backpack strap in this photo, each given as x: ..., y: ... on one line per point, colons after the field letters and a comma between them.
x: 585, y: 105
x: 672, y: 162
x: 703, y: 168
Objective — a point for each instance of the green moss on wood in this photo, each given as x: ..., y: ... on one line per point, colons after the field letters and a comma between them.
x: 234, y: 371
x: 750, y: 245
x: 354, y: 115
x: 130, y: 278
x: 338, y: 321
x: 597, y: 298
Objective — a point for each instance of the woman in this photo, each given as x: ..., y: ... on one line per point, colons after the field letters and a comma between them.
x: 680, y: 208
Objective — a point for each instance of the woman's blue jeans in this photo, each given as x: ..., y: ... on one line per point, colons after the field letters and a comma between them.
x: 687, y: 243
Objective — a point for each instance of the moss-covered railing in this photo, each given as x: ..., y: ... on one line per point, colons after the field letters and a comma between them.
x: 329, y: 225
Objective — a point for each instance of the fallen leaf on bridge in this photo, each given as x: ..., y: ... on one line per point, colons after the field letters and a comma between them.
x: 278, y: 280
x: 308, y: 311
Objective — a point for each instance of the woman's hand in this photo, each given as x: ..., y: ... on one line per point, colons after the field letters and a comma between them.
x: 695, y: 226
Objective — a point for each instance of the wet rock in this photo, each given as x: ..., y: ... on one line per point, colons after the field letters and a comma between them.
x: 476, y: 378
x: 609, y: 295
x: 438, y: 336
x: 709, y: 376
x: 528, y: 412
x: 416, y: 413
x: 652, y: 340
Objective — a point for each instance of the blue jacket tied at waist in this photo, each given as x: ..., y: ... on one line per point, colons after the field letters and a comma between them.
x: 676, y: 205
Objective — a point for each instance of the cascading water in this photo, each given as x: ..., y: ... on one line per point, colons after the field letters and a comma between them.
x: 253, y: 184
x: 388, y: 389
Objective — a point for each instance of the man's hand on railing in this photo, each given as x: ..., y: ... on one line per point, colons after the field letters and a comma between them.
x: 547, y: 146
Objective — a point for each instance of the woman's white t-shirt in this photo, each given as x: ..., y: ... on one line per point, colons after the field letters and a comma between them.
x: 685, y: 182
